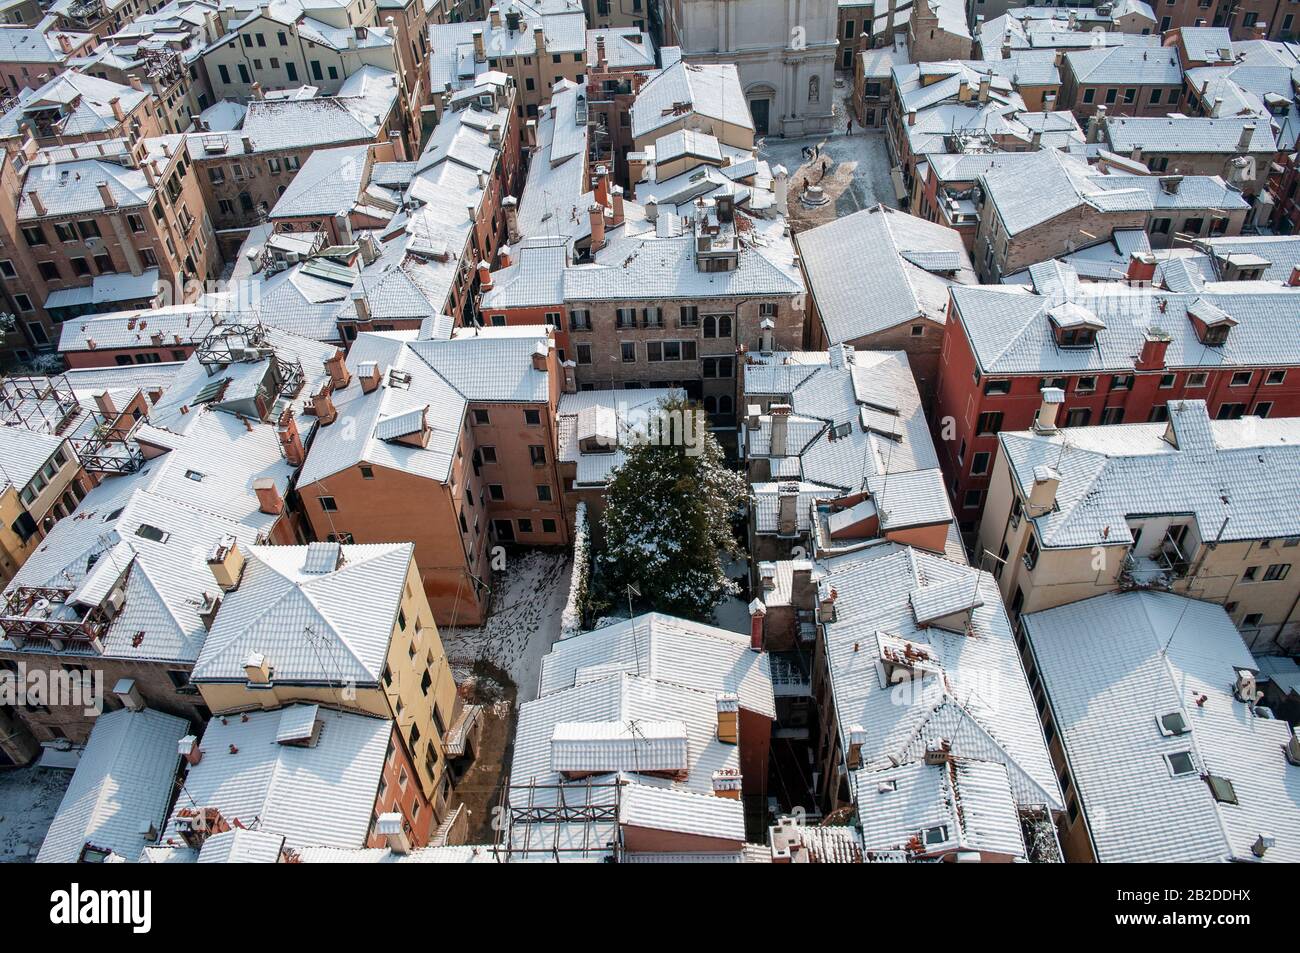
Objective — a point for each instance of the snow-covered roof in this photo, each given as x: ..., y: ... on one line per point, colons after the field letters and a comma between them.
x: 443, y: 375
x: 967, y: 688
x: 620, y: 412
x: 900, y: 263
x: 122, y: 786
x: 320, y: 794
x: 1114, y: 667
x: 1239, y: 479
x: 710, y: 91
x: 312, y: 626
x: 667, y: 648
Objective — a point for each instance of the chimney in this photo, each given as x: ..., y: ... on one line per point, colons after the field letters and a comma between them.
x: 911, y: 117
x: 510, y: 206
x: 857, y: 738
x: 495, y: 16
x: 269, y: 500
x: 826, y: 604
x: 570, y: 377
x: 1095, y: 124
x: 106, y: 406
x: 35, y: 198
x: 392, y: 826
x: 484, y: 276
x: 1294, y: 280
x: 188, y: 748
x: 361, y: 305
x: 1247, y: 134
x: 1036, y: 140
x: 757, y: 612
x: 480, y: 52
x: 597, y: 214
x: 651, y: 208
x: 1170, y: 184
x: 780, y: 414
x: 197, y: 824
x: 963, y: 90
x: 368, y: 374
x: 602, y: 186
x: 290, y: 440
x: 530, y: 134
x: 116, y: 104
x: 616, y: 194
x: 1053, y: 398
x: 787, y: 509
x: 322, y: 405
x: 128, y: 693
x: 986, y: 83
x: 766, y: 335
x: 781, y: 186
x: 338, y: 370
x: 503, y: 256
x: 540, y: 354
x: 601, y: 62
x: 257, y: 669
x: 65, y: 44
x: 539, y: 39
x: 248, y: 144
x: 1141, y: 268
x: 1154, y: 345
x: 257, y: 90
x: 226, y: 563
x: 1042, y: 496
x: 728, y: 705
x: 727, y: 784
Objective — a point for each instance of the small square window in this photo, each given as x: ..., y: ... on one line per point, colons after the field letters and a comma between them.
x: 367, y: 473
x: 1180, y: 763
x: 482, y: 418
x: 532, y: 418
x: 328, y: 505
x: 1173, y: 723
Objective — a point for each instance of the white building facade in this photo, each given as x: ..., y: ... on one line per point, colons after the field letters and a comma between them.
x: 787, y: 74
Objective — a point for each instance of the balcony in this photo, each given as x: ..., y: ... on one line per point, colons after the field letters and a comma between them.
x: 42, y: 617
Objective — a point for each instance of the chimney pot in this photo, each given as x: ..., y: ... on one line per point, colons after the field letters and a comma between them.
x: 337, y: 369
x: 728, y: 706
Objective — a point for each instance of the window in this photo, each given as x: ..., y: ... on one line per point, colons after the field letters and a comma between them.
x: 482, y: 418
x: 537, y: 454
x: 1121, y: 382
x: 487, y: 454
x: 989, y: 422
x: 997, y: 387
x: 1130, y: 95
x: 1277, y: 572
x: 145, y: 531
x: 1167, y: 381
x: 1112, y: 415
x: 533, y: 418
x: 1078, y: 417
x: 1180, y: 763
x: 1111, y: 96
x: 367, y: 473
x: 1155, y: 96
x: 1159, y: 413
x: 328, y: 505
x: 580, y: 320
x: 548, y: 526
x: 689, y: 317
x: 1089, y: 95
x: 1222, y: 789
x: 544, y: 492
x: 1250, y: 574
x: 525, y: 526
x: 49, y: 270
x: 1231, y: 412
x: 496, y: 491
x: 1086, y: 384
x: 34, y: 235
x: 291, y: 70
x: 652, y: 318
x: 1031, y: 552
x: 625, y: 317
x: 1173, y: 723
x: 1263, y: 408
x: 224, y: 72
x: 584, y: 353
x: 628, y: 351
x: 7, y: 269
x: 1275, y: 377
x: 1252, y: 620
x: 979, y: 464
x: 1197, y: 379
x: 1241, y: 379
x: 972, y: 499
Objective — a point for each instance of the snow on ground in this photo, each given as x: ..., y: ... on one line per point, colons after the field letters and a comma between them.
x: 29, y: 798
x: 733, y: 612
x: 858, y: 176
x: 525, y: 620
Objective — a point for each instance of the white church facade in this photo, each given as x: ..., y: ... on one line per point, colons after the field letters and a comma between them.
x: 788, y: 75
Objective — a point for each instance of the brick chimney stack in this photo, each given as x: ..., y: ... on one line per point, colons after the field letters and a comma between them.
x: 291, y: 439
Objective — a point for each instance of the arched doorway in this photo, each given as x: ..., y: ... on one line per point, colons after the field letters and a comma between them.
x: 762, y: 102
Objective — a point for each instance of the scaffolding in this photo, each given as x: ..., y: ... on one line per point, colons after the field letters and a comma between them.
x: 575, y: 821
x: 236, y: 343
x: 48, y: 405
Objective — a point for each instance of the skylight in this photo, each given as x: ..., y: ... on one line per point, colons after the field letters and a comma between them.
x: 145, y: 531
x: 1180, y: 763
x: 1173, y: 723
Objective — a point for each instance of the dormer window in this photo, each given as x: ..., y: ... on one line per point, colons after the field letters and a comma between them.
x: 1074, y: 325
x: 1211, y: 322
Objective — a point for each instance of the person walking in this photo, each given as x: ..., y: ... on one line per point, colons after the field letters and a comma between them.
x: 850, y: 132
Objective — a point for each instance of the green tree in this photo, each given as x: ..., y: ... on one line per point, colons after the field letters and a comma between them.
x: 668, y: 516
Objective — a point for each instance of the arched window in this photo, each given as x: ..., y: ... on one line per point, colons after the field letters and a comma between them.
x: 710, y: 404
x: 724, y: 326
x: 814, y: 89
x: 724, y: 404
x: 245, y: 201
x: 710, y: 326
